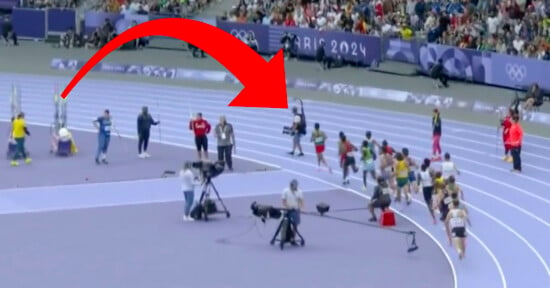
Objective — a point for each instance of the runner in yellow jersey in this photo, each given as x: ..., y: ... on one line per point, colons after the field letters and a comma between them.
x: 18, y: 132
x: 439, y: 187
x: 402, y: 175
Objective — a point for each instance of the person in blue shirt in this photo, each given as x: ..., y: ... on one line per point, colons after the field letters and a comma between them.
x: 103, y: 124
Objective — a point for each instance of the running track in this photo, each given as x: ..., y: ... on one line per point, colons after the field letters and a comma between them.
x: 508, y: 243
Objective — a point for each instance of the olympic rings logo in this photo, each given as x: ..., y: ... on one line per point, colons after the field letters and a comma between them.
x: 516, y: 72
x: 242, y: 34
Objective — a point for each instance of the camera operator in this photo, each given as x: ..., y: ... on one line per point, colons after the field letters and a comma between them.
x: 226, y: 142
x: 293, y: 200
x: 381, y: 197
x: 298, y: 130
x: 288, y: 40
x: 200, y: 128
x: 188, y: 183
x: 8, y: 32
x: 69, y: 40
x: 438, y: 73
x: 251, y: 41
x: 321, y: 53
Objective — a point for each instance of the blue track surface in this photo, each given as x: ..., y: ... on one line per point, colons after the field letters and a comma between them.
x: 508, y: 243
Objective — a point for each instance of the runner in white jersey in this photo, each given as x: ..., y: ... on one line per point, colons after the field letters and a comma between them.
x: 425, y: 180
x: 455, y: 224
x: 448, y: 167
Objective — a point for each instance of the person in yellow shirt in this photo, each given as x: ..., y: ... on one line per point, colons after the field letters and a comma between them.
x: 19, y: 132
x: 402, y: 174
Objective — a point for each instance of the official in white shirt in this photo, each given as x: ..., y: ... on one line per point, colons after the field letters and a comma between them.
x: 293, y: 199
x: 188, y: 183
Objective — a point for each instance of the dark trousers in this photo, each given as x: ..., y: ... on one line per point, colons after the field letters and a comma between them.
x: 443, y: 79
x: 224, y: 154
x: 143, y: 142
x: 326, y: 62
x: 19, y: 149
x: 10, y: 35
x: 516, y: 157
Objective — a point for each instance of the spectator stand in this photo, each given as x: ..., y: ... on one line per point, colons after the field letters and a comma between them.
x: 497, y: 43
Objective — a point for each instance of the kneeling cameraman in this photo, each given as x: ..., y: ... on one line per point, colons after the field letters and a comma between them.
x: 293, y: 200
x: 381, y: 197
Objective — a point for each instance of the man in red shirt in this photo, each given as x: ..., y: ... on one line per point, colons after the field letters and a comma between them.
x: 200, y: 128
x: 515, y: 140
x: 506, y: 123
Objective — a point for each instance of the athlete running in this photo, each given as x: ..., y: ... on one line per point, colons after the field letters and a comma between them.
x: 367, y: 161
x: 455, y: 225
x: 372, y: 144
x: 449, y: 191
x: 347, y: 157
x: 386, y: 163
x: 402, y: 169
x: 439, y: 189
x: 425, y: 181
x: 436, y: 135
x: 448, y: 167
x: 413, y: 186
x: 319, y: 138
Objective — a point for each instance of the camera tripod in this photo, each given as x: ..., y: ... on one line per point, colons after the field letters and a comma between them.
x: 286, y: 230
x: 209, y: 187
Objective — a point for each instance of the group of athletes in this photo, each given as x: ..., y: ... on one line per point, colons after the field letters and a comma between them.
x: 398, y: 176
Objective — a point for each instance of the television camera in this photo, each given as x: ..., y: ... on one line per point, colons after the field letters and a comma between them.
x: 287, y: 229
x: 206, y: 205
x: 209, y: 170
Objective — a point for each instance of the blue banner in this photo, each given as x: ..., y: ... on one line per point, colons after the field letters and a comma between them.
x: 242, y: 30
x: 61, y: 20
x: 29, y: 23
x: 399, y: 50
x: 356, y: 48
x: 514, y: 71
x: 465, y: 64
x: 8, y: 4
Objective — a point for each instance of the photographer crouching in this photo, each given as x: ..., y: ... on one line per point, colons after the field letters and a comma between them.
x: 293, y: 199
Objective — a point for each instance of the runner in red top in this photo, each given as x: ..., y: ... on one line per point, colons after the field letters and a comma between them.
x: 515, y: 140
x: 506, y: 123
x: 347, y: 157
x: 200, y: 128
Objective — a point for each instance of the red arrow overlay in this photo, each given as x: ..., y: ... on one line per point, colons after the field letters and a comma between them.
x: 264, y: 82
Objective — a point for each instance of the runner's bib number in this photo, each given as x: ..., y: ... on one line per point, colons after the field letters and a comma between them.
x: 386, y: 191
x: 457, y: 222
x: 447, y: 200
x: 319, y: 140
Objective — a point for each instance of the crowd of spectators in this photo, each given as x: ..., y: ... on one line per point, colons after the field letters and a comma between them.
x: 145, y: 7
x: 518, y: 27
x: 43, y: 4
